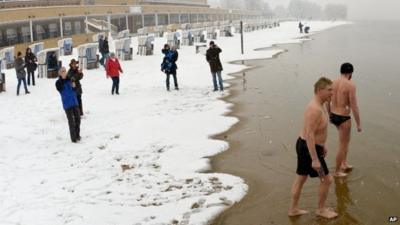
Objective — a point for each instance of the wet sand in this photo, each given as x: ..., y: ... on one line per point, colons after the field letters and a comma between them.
x: 269, y: 101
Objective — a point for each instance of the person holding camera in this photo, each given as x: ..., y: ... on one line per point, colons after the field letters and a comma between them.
x: 70, y: 103
x: 75, y: 75
x: 212, y: 57
x: 168, y: 65
x: 30, y: 62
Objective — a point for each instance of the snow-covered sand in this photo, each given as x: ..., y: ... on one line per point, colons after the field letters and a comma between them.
x: 141, y: 154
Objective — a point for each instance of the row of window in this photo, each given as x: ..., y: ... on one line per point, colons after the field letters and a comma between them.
x: 11, y: 34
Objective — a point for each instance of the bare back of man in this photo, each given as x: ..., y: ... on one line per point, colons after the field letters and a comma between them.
x: 343, y: 102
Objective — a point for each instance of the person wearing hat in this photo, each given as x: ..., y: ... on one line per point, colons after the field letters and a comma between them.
x: 75, y: 75
x: 168, y: 65
x: 212, y: 57
x: 113, y: 68
x: 70, y: 104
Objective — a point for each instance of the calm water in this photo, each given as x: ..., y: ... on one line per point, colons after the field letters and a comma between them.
x: 270, y: 100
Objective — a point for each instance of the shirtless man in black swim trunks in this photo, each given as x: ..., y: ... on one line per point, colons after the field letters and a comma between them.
x: 311, y: 150
x: 343, y: 102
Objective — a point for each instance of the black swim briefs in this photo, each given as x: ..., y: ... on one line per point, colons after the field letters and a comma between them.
x: 304, y: 160
x: 338, y: 119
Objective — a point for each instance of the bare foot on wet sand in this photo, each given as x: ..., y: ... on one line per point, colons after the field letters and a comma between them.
x: 346, y: 167
x: 340, y: 174
x: 297, y: 212
x: 326, y: 213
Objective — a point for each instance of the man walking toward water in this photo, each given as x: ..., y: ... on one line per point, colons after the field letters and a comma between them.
x: 311, y: 150
x: 343, y: 102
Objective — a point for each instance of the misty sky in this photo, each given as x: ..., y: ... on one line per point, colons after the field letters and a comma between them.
x: 361, y: 9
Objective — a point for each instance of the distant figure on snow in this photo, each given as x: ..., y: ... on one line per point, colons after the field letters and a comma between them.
x: 168, y: 65
x: 30, y: 62
x: 70, y: 104
x: 212, y: 57
x: 306, y: 29
x: 21, y: 73
x: 113, y: 68
x: 104, y: 50
x: 301, y: 27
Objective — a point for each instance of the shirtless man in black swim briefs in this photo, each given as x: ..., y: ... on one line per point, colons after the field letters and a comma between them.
x: 343, y: 102
x: 311, y: 150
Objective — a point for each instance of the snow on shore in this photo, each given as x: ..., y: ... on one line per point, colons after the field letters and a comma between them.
x: 141, y: 153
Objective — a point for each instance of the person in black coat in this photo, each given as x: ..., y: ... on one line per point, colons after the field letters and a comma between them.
x: 70, y: 104
x: 168, y: 66
x: 30, y: 62
x: 75, y: 75
x: 212, y: 57
x: 105, y: 50
x: 301, y: 27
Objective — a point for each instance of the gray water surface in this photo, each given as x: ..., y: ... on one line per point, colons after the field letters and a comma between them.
x: 270, y: 100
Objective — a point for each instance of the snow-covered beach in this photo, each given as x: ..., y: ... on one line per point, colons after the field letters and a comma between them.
x: 142, y: 153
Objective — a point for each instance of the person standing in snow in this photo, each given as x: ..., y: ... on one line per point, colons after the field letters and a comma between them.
x: 21, y: 73
x: 212, y: 57
x: 75, y: 75
x: 113, y: 68
x: 30, y: 61
x: 70, y: 104
x: 101, y: 44
x: 105, y: 50
x: 301, y: 27
x: 168, y: 66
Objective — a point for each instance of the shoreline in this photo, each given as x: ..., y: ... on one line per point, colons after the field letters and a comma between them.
x: 217, y: 161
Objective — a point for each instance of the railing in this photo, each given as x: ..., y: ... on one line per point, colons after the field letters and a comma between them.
x: 32, y: 3
x: 198, y: 2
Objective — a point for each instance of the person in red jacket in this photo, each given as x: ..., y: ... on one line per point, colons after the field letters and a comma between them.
x: 113, y: 68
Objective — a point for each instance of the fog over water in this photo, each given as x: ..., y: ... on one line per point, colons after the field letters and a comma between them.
x: 357, y: 9
x: 360, y: 9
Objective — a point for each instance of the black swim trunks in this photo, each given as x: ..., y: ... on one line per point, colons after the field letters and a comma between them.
x: 304, y: 160
x: 338, y: 119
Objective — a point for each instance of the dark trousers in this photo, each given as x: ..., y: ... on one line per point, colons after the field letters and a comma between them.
x: 22, y: 80
x: 74, y: 123
x: 79, y: 97
x: 175, y: 80
x: 115, y: 85
x: 31, y: 73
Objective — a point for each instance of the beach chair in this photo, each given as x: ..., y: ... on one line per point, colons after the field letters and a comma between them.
x: 7, y: 57
x: 65, y: 46
x: 87, y: 56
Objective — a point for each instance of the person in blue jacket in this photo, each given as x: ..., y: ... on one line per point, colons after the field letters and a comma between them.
x: 70, y: 104
x: 168, y: 65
